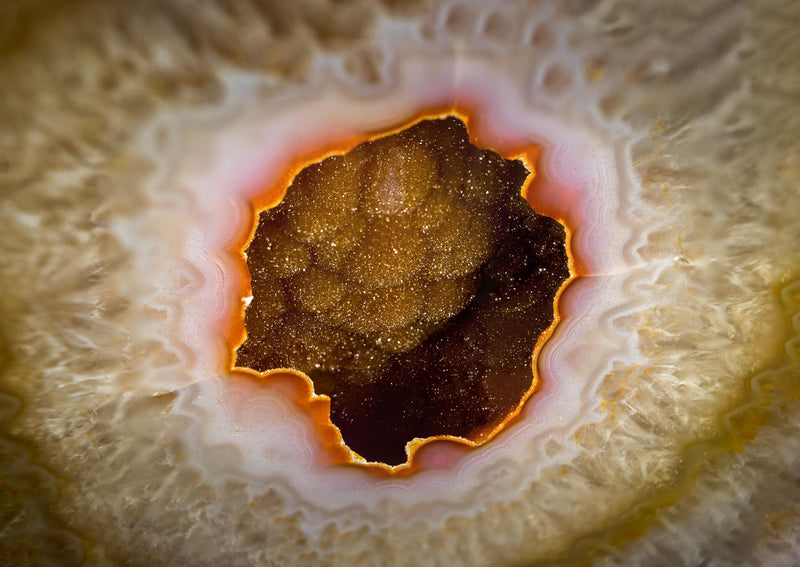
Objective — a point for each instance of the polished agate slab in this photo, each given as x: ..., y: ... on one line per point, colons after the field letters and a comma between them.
x: 139, y: 139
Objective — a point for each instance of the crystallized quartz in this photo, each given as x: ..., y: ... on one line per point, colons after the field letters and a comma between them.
x: 410, y: 280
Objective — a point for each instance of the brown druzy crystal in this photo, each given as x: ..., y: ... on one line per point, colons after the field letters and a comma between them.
x: 410, y: 280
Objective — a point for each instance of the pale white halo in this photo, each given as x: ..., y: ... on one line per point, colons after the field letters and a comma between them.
x: 225, y: 161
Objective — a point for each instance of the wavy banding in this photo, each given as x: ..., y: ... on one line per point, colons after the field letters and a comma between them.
x: 573, y: 183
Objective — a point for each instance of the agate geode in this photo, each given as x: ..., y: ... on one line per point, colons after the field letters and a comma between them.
x: 139, y: 138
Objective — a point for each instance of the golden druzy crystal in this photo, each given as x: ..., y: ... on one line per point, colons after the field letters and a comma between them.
x: 410, y: 280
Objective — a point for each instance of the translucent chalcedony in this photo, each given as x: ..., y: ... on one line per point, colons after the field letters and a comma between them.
x: 410, y: 280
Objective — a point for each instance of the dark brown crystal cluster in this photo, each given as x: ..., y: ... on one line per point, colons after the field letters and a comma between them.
x: 410, y: 281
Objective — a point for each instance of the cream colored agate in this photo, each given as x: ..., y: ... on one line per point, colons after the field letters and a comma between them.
x: 132, y: 138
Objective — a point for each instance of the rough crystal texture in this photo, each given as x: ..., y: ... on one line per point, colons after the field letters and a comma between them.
x: 410, y: 280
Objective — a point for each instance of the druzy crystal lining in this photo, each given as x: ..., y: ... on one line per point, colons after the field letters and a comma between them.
x: 410, y: 281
